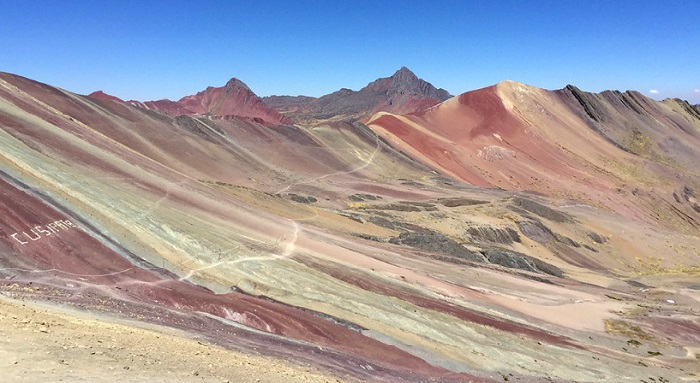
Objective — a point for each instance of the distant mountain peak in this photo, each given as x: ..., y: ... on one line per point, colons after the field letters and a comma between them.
x: 404, y: 73
x: 235, y: 83
x: 233, y: 100
x: 402, y: 92
x: 518, y: 86
x: 404, y: 81
x: 100, y: 95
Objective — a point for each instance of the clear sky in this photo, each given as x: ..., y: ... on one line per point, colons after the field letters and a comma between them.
x: 168, y: 49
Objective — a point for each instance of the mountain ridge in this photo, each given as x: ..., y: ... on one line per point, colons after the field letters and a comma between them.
x: 233, y: 100
x: 402, y: 92
x: 502, y: 230
x: 565, y: 142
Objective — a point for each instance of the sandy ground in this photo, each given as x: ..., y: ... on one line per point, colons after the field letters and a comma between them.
x: 48, y: 344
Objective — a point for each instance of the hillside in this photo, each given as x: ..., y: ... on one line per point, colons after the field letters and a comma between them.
x: 619, y: 151
x: 233, y: 100
x: 509, y: 233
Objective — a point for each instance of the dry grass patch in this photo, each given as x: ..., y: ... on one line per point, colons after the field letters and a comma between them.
x: 624, y: 328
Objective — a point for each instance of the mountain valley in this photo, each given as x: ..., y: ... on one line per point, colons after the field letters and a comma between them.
x: 395, y: 233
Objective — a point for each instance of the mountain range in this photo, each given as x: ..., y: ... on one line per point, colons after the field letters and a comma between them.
x: 394, y: 233
x: 403, y: 92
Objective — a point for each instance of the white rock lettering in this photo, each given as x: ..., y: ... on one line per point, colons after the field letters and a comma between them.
x: 42, y: 231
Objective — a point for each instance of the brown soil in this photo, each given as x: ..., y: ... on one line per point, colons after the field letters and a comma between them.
x: 41, y: 343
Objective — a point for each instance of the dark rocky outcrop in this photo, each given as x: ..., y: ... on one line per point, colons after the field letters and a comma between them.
x: 301, y: 199
x: 504, y: 236
x: 588, y: 102
x: 515, y: 260
x: 439, y: 243
x: 352, y: 216
x: 194, y: 127
x: 687, y: 193
x: 405, y: 83
x: 404, y: 206
x: 364, y: 197
x: 436, y: 242
x: 536, y: 231
x: 687, y: 196
x: 387, y: 223
x: 566, y: 240
x: 459, y: 201
x: 288, y: 104
x: 597, y: 238
x: 540, y: 233
x: 541, y: 210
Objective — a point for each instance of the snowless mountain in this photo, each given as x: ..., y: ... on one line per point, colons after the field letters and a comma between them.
x: 389, y: 234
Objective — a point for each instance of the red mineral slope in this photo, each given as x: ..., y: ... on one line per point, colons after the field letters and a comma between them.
x: 100, y: 95
x: 326, y: 245
x: 55, y: 237
x: 234, y: 100
x: 40, y: 243
x: 518, y: 137
x: 476, y: 138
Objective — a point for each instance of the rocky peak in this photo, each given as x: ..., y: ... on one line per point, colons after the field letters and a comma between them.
x: 402, y: 92
x: 404, y: 75
x: 404, y: 81
x: 233, y: 100
x: 235, y: 83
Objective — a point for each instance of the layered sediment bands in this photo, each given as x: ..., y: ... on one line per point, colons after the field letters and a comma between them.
x: 515, y: 260
x: 505, y: 236
x: 565, y: 143
x: 541, y: 210
x: 537, y: 231
x: 69, y: 258
x: 587, y: 101
x: 342, y: 245
x: 665, y: 132
x: 365, y: 282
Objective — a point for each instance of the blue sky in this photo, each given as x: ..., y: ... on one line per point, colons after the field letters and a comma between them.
x: 150, y: 50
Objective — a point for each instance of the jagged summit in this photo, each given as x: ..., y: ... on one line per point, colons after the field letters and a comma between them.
x: 402, y: 92
x: 233, y: 100
x: 235, y: 83
x: 404, y: 75
x: 406, y: 82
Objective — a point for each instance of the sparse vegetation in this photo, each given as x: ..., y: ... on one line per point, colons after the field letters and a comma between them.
x: 621, y: 327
